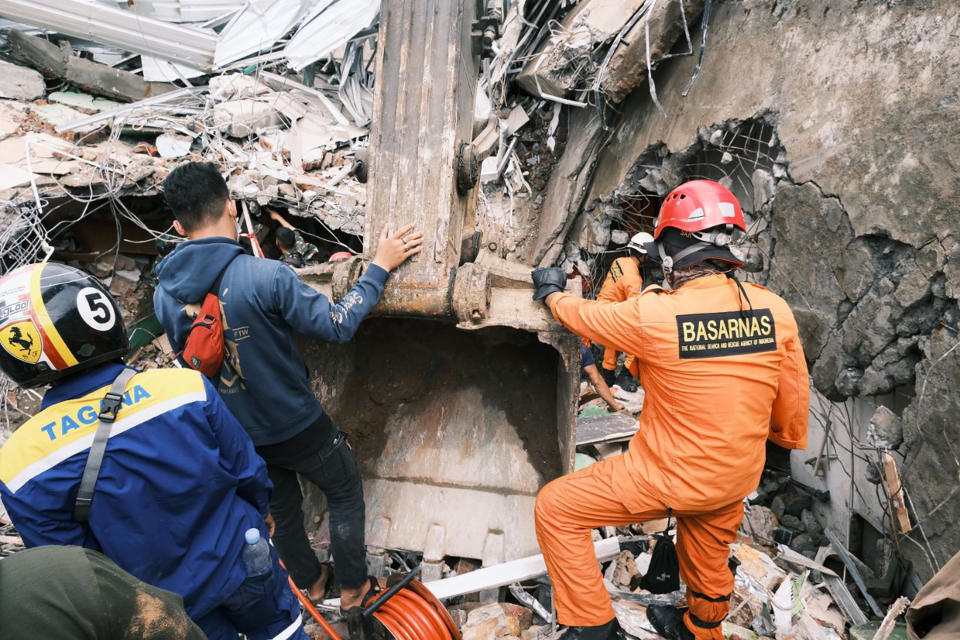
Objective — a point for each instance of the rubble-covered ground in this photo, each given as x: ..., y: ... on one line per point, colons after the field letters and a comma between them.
x: 834, y: 123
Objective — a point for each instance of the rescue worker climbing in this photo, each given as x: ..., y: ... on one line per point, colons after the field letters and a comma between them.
x: 723, y: 370
x: 149, y: 468
x: 264, y: 381
x: 623, y: 282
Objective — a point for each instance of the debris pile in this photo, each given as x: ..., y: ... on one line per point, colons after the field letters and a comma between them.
x: 90, y: 127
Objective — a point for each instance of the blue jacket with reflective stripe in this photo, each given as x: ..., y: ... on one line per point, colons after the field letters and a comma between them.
x: 179, y: 485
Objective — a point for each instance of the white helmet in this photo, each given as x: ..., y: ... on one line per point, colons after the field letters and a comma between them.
x: 640, y: 241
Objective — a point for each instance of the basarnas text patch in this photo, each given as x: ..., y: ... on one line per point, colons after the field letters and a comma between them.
x: 728, y: 333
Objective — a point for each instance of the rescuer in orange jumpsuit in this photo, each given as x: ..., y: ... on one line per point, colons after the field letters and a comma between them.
x: 623, y: 282
x: 723, y: 370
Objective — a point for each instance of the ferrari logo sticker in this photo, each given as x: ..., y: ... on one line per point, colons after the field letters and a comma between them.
x: 22, y: 340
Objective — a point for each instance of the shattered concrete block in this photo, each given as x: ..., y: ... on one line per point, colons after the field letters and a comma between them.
x: 233, y: 86
x: 628, y: 66
x: 803, y: 543
x: 885, y: 430
x: 760, y: 523
x: 20, y: 83
x: 553, y: 69
x: 241, y: 118
x: 625, y: 568
x: 778, y: 506
x: 791, y: 522
x: 488, y: 621
x: 540, y: 632
x: 515, y: 612
x: 810, y: 522
x: 764, y: 188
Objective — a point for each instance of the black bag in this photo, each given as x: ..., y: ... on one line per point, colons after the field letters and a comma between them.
x: 663, y: 575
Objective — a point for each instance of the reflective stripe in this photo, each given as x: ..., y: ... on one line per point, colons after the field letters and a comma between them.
x: 289, y: 631
x: 81, y: 444
x: 46, y: 324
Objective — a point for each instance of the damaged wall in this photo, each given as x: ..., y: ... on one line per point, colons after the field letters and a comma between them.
x: 854, y: 219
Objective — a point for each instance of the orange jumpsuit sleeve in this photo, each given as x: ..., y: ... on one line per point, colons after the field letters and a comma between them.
x: 612, y: 324
x: 788, y: 423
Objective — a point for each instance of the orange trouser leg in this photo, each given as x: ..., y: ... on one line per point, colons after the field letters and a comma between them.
x: 628, y: 362
x: 703, y: 547
x: 567, y: 510
x: 609, y: 358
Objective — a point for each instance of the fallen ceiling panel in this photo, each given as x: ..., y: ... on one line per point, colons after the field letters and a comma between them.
x: 258, y: 27
x: 111, y: 26
x: 330, y: 29
x: 160, y: 70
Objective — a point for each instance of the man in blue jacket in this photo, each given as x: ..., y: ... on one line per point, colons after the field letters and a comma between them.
x: 264, y: 379
x: 176, y: 482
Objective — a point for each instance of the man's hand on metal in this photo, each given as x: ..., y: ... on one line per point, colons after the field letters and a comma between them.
x: 394, y: 249
x: 547, y: 280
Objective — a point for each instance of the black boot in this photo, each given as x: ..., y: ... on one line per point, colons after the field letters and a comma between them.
x: 608, y: 376
x: 668, y: 622
x: 609, y: 631
x: 626, y: 382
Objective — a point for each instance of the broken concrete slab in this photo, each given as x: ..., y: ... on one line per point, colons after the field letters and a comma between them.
x: 101, y: 79
x: 11, y: 117
x: 243, y: 117
x: 58, y: 114
x: 627, y: 68
x: 11, y: 176
x: 82, y: 101
x: 20, y: 83
x: 564, y: 61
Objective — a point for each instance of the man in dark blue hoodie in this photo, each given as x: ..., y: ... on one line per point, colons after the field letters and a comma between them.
x: 264, y: 380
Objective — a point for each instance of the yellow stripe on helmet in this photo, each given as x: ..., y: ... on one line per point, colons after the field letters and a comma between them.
x: 44, y: 318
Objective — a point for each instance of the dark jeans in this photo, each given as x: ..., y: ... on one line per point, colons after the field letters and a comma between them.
x: 332, y: 467
x: 262, y: 608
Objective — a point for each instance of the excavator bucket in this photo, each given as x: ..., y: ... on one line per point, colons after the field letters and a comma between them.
x: 459, y: 396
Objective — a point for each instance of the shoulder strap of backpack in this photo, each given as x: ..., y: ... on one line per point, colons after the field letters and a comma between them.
x: 109, y: 407
x: 215, y: 287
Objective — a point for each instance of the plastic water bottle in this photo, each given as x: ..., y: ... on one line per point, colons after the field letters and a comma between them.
x: 256, y: 553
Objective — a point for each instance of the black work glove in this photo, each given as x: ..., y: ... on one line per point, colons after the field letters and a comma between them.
x: 548, y: 280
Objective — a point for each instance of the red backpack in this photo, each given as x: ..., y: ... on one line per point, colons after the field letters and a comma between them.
x: 203, y: 349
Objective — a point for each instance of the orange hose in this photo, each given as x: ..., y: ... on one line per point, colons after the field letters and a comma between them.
x: 415, y: 614
x: 312, y: 610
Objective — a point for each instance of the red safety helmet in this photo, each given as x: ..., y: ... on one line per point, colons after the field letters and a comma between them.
x: 699, y: 205
x: 705, y: 213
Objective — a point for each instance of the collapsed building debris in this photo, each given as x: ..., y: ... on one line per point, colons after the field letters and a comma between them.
x: 844, y: 167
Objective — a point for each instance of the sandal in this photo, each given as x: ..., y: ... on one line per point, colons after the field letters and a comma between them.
x: 372, y: 593
x: 329, y: 588
x: 359, y: 626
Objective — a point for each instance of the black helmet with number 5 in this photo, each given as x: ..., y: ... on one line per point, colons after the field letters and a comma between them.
x: 56, y: 320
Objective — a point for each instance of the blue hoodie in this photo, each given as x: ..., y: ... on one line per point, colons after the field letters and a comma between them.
x: 264, y: 305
